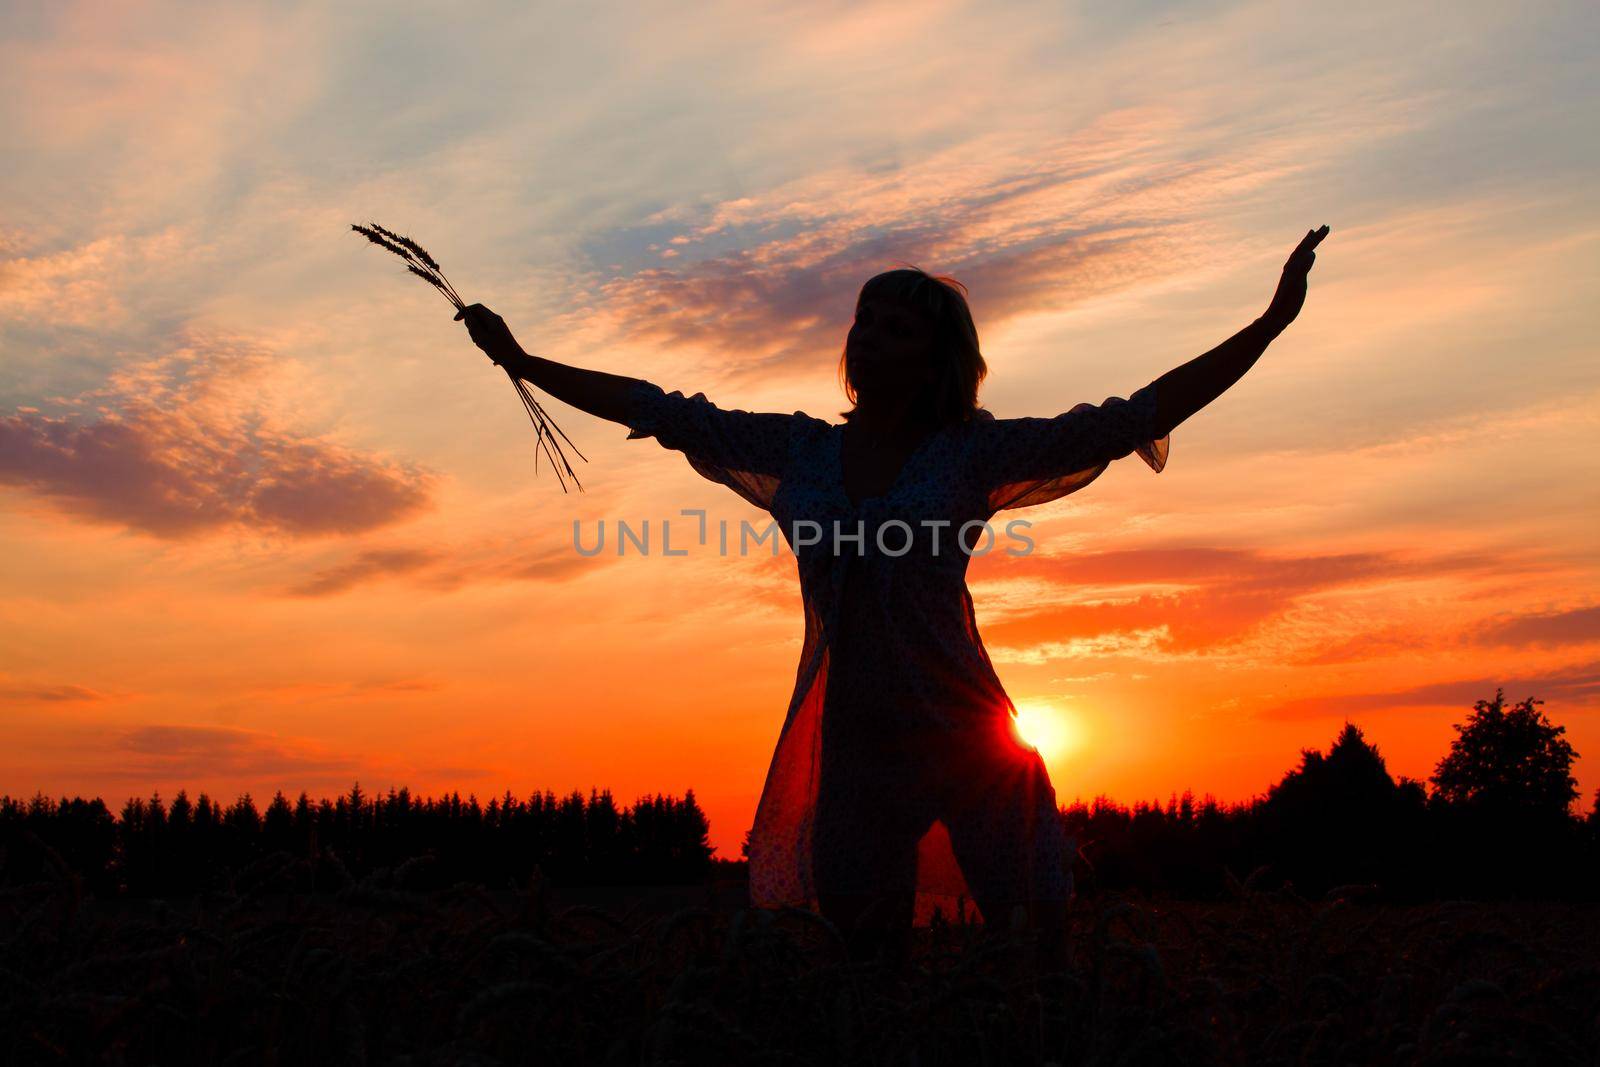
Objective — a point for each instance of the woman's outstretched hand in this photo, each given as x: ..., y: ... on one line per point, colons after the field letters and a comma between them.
x: 490, y: 333
x: 1291, y: 294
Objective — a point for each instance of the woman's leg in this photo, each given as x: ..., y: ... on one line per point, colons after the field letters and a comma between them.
x: 864, y: 851
x: 1008, y: 838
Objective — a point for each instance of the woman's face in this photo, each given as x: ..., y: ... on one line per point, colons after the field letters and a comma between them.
x: 890, y: 347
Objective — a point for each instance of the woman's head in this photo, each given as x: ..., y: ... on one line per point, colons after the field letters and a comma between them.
x: 913, y: 332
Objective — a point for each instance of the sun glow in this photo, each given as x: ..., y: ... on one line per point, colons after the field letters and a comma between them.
x: 1050, y: 730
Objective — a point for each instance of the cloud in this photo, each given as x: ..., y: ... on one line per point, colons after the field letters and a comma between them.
x: 1576, y: 626
x: 216, y: 752
x: 182, y: 445
x: 368, y: 565
x: 1179, y: 600
x: 447, y: 571
x: 551, y: 566
x: 1125, y: 643
x: 1244, y: 605
x: 1577, y: 685
x: 341, y: 690
x: 1027, y: 224
x: 1374, y: 644
x: 49, y: 694
x: 89, y: 285
x: 450, y: 772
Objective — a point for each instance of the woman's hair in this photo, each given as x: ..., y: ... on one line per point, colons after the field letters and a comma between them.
x: 953, y: 394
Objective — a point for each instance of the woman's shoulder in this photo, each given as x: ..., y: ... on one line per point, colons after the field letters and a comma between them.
x: 808, y: 426
x: 975, y: 425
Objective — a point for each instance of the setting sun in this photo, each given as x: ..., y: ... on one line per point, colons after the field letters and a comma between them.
x: 1047, y: 728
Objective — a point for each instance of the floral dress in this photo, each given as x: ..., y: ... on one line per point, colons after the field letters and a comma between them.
x: 899, y: 766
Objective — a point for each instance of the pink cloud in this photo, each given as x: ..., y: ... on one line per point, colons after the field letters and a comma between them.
x: 180, y: 446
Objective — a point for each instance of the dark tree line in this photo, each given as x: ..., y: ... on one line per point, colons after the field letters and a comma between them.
x: 158, y: 849
x: 1495, y: 824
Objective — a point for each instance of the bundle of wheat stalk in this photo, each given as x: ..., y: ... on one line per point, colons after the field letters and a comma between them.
x: 424, y: 266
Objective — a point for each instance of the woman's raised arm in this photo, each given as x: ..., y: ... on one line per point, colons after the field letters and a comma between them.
x: 1186, y: 389
x: 744, y: 450
x: 598, y: 393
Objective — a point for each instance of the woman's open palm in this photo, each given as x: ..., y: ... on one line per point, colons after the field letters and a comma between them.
x: 1291, y: 294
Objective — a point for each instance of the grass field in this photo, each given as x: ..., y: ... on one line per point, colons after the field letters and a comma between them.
x: 466, y: 976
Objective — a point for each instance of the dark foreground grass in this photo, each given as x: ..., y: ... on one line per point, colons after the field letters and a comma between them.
x: 375, y: 974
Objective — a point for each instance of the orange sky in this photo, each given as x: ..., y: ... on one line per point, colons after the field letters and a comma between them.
x: 268, y: 520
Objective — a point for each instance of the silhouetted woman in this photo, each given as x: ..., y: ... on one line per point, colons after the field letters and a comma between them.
x: 899, y: 780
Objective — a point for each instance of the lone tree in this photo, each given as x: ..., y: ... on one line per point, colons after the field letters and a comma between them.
x: 1508, y: 761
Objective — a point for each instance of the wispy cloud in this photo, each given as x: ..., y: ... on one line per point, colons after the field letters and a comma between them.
x: 1578, y: 685
x: 1379, y: 643
x: 47, y: 694
x: 304, y: 690
x: 88, y: 285
x: 1143, y: 643
x: 443, y: 571
x: 1545, y: 628
x: 1029, y: 226
x: 368, y: 565
x: 1184, y: 600
x: 177, y: 751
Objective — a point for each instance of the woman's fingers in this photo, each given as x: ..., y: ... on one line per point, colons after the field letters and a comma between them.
x: 1302, y: 257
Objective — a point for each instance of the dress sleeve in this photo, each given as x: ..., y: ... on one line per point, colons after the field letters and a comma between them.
x: 1022, y: 462
x: 746, y: 451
